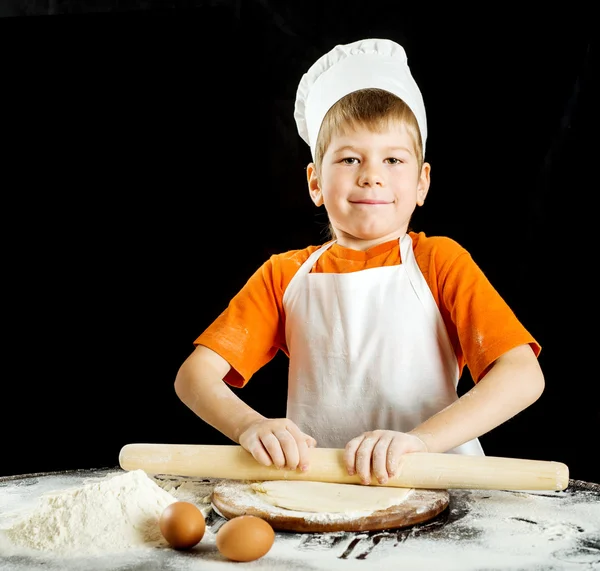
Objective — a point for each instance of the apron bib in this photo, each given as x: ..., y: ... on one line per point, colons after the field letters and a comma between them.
x: 368, y: 350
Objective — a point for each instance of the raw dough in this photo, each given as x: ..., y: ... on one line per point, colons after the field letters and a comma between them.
x: 325, y: 497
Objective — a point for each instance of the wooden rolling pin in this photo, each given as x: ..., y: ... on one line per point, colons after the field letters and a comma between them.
x: 417, y: 470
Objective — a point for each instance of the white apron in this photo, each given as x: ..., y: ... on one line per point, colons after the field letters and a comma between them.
x: 368, y: 350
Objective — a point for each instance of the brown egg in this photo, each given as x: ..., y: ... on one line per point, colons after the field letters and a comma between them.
x: 182, y: 525
x: 245, y: 538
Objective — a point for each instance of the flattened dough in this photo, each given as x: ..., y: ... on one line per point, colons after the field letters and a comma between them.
x: 325, y: 497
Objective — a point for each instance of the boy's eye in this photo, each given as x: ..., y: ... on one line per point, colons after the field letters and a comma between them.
x: 394, y: 161
x: 350, y: 160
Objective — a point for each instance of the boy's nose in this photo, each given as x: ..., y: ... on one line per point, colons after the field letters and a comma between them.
x: 370, y: 177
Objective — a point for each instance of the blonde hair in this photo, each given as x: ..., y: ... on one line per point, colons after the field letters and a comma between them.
x: 371, y: 108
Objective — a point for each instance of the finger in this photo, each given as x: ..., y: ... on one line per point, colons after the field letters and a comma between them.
x: 364, y: 456
x: 273, y: 448
x: 303, y: 443
x: 310, y: 442
x: 289, y: 447
x: 398, y: 447
x: 258, y: 451
x: 380, y: 459
x: 303, y: 454
x: 350, y: 454
x: 395, y: 450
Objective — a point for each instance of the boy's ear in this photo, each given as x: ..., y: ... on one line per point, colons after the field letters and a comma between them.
x: 423, y: 184
x: 313, y: 185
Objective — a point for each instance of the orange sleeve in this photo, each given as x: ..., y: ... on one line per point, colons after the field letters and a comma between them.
x: 251, y: 330
x: 480, y: 324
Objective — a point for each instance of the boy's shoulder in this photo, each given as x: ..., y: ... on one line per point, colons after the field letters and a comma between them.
x: 293, y: 257
x: 436, y: 246
x: 281, y: 267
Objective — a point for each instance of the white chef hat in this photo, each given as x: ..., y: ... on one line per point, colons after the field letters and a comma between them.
x: 346, y: 68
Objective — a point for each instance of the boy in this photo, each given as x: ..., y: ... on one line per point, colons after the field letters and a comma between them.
x: 378, y: 322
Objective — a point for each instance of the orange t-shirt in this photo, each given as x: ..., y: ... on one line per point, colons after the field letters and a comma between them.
x: 480, y: 325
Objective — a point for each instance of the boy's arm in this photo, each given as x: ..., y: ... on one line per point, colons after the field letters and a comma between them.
x: 200, y: 386
x: 514, y: 382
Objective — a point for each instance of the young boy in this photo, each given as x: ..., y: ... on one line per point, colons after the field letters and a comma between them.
x: 378, y: 322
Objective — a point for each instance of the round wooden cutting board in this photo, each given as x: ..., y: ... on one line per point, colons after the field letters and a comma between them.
x: 233, y: 498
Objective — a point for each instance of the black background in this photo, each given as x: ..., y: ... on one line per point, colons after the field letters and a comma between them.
x: 151, y: 164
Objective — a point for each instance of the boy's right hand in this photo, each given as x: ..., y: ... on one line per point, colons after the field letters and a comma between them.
x: 279, y: 442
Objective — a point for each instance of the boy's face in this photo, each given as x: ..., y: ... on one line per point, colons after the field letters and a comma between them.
x: 370, y: 184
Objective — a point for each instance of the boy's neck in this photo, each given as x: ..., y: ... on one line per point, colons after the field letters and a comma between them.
x: 352, y: 243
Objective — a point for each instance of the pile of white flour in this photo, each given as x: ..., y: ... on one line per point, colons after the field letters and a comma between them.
x: 115, y: 513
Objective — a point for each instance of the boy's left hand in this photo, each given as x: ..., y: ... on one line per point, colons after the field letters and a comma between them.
x: 378, y: 452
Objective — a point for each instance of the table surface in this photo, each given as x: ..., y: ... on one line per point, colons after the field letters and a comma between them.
x: 480, y: 530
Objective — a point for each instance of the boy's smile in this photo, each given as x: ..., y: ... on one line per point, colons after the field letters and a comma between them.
x: 370, y: 184
x: 369, y: 201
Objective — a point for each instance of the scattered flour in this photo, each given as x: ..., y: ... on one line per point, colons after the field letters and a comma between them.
x: 189, y: 490
x: 115, y: 513
x: 491, y: 530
